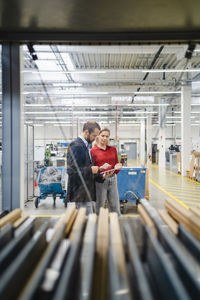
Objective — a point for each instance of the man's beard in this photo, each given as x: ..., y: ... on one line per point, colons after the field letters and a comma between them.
x: 88, y: 139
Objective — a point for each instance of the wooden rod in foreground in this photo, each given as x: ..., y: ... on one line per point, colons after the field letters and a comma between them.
x: 172, y: 224
x: 11, y: 217
x: 100, y: 287
x: 184, y: 216
x: 146, y: 218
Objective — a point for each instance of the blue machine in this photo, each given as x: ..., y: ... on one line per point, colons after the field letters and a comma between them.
x: 54, y: 188
x: 131, y: 184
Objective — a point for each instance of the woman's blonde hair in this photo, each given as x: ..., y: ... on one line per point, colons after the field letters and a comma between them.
x: 104, y: 129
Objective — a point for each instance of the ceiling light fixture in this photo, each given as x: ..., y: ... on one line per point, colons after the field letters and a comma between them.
x: 65, y: 72
x: 107, y: 105
x: 67, y: 84
x: 76, y: 92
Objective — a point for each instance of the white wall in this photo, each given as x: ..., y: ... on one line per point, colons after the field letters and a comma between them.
x: 47, y: 134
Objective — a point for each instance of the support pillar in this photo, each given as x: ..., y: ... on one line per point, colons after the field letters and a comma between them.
x: 161, y: 142
x: 142, y: 142
x: 186, y: 143
x: 12, y: 129
x: 149, y: 138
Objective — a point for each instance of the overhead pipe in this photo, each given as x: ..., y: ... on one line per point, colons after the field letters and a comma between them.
x: 151, y: 67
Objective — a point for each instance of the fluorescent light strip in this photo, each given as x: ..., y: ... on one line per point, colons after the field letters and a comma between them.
x: 96, y: 105
x: 86, y: 117
x: 69, y: 112
x: 171, y: 70
x: 139, y: 112
x: 177, y: 117
x: 87, y: 112
x: 67, y: 84
x: 103, y: 71
x: 192, y: 112
x: 68, y: 92
x: 103, y: 93
x: 65, y: 72
x: 195, y: 112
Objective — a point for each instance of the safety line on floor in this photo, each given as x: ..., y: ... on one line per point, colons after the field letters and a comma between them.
x: 192, y: 202
x: 182, y: 189
x: 46, y: 216
x: 195, y: 199
x: 176, y: 174
x: 129, y: 216
x: 167, y: 193
x: 185, y: 186
x: 184, y: 192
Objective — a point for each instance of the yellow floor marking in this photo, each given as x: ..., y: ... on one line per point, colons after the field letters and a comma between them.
x: 190, y: 202
x: 45, y: 216
x: 176, y: 174
x: 169, y: 194
x: 184, y: 192
x: 129, y: 216
x: 194, y: 188
x: 195, y: 199
x: 187, y: 188
x: 185, y: 184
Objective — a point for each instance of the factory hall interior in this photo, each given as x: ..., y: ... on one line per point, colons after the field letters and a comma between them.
x: 99, y: 151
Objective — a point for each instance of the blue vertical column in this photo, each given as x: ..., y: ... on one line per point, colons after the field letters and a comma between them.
x: 11, y: 128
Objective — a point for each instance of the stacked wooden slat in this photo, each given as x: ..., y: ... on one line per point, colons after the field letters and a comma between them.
x: 101, y: 257
x: 12, y: 217
x: 183, y: 246
x: 187, y: 217
x: 172, y: 224
x: 118, y: 261
x: 146, y: 218
x: 87, y: 258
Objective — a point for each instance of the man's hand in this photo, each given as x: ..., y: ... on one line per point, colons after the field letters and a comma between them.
x: 95, y: 169
x: 107, y: 174
x: 118, y: 166
x: 104, y: 166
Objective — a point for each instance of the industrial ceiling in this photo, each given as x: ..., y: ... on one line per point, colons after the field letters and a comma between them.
x: 105, y: 59
x: 63, y: 84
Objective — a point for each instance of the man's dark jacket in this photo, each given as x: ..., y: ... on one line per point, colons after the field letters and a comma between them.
x: 81, y: 181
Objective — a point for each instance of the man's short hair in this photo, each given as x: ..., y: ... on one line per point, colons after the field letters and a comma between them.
x: 90, y: 126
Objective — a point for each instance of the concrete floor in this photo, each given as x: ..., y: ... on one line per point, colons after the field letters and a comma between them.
x: 162, y: 184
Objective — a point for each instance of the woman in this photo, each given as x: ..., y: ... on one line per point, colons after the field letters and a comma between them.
x: 105, y: 157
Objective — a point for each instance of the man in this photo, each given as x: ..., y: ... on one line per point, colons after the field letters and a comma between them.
x: 81, y: 172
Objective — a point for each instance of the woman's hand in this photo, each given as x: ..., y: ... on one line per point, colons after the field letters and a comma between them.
x: 118, y: 166
x: 107, y: 174
x: 104, y: 166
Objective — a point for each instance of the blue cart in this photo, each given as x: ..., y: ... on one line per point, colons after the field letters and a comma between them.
x: 131, y: 185
x: 53, y: 189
